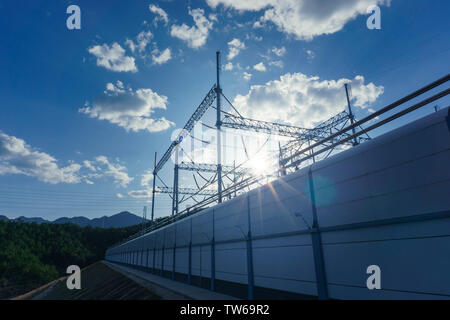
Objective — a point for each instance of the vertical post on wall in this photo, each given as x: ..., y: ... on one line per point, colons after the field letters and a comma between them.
x: 154, y: 255
x: 319, y: 263
x: 281, y: 168
x: 350, y: 113
x: 162, y: 258
x: 251, y: 279
x: 153, y: 190
x: 218, y: 125
x: 311, y: 152
x: 234, y: 177
x: 190, y: 257
x: 174, y: 253
x: 213, y: 256
x: 144, y: 219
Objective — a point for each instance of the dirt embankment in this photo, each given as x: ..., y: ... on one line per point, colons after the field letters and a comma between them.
x: 98, y: 282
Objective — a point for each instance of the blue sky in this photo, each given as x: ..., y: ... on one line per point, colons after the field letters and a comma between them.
x: 83, y: 111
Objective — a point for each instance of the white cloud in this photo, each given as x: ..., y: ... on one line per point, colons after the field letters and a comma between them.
x: 119, y: 195
x: 260, y: 67
x: 116, y: 171
x: 161, y: 15
x: 228, y: 66
x: 139, y: 194
x: 143, y: 39
x: 163, y: 56
x: 279, y: 51
x: 88, y: 164
x: 276, y: 63
x: 113, y: 58
x: 234, y: 47
x: 131, y: 45
x: 257, y: 24
x: 146, y: 177
x: 114, y: 88
x: 303, y: 101
x: 17, y: 157
x: 304, y: 19
x: 196, y: 35
x: 130, y: 109
x: 247, y: 76
x: 310, y: 54
x: 213, y: 17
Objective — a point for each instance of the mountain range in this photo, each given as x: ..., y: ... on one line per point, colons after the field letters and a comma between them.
x: 119, y: 220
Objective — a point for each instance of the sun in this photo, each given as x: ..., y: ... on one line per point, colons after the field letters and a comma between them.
x: 259, y: 167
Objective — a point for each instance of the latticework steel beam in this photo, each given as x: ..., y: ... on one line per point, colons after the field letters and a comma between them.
x: 187, y: 191
x: 236, y: 122
x: 198, y: 113
x: 202, y: 167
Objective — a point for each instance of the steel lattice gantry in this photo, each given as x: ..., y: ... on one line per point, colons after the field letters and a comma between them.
x: 195, y: 117
x: 198, y: 113
x: 241, y: 123
x: 288, y: 154
x: 186, y: 191
x: 202, y: 167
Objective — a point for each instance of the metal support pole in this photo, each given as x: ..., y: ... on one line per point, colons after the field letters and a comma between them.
x: 190, y: 257
x: 144, y: 219
x: 162, y: 258
x: 282, y: 169
x: 350, y: 114
x: 218, y: 125
x: 234, y: 177
x: 213, y: 257
x: 312, y: 151
x: 153, y: 190
x: 319, y: 263
x: 175, y: 183
x: 154, y: 256
x: 174, y: 253
x: 251, y: 279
